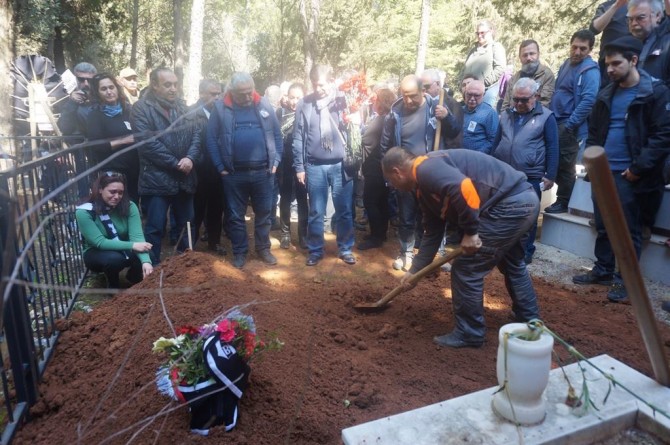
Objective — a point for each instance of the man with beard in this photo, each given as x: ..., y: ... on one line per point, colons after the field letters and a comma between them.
x: 631, y: 120
x: 529, y: 56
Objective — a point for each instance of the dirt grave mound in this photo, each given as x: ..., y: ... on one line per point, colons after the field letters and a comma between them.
x: 338, y: 367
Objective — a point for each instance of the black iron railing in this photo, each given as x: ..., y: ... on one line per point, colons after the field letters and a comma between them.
x: 42, y: 269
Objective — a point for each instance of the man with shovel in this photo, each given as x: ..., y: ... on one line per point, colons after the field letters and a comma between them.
x: 489, y: 202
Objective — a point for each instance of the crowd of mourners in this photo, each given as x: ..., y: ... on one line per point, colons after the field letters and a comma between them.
x: 442, y: 171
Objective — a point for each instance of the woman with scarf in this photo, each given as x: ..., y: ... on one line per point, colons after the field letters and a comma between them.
x: 109, y: 129
x: 111, y: 228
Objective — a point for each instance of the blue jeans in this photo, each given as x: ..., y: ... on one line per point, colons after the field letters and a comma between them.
x: 501, y: 227
x: 238, y: 188
x: 605, y: 261
x: 410, y: 226
x: 320, y: 180
x: 156, y: 208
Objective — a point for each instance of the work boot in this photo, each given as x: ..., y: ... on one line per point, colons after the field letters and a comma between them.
x: 267, y: 257
x: 285, y: 242
x: 617, y: 293
x: 456, y: 340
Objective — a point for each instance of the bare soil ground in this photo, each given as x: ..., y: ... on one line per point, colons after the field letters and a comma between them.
x: 338, y: 367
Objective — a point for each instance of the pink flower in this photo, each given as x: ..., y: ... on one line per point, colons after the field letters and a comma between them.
x: 226, y: 330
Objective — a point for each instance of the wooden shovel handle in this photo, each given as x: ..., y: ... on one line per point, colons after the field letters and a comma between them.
x: 438, y: 126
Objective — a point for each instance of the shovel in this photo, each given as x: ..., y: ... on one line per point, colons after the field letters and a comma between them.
x: 382, y: 304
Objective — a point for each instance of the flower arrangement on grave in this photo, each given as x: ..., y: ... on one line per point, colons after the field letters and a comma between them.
x: 208, y: 368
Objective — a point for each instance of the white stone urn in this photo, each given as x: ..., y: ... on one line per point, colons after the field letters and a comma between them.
x: 523, y: 373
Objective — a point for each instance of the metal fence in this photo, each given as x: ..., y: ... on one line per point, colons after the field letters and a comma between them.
x: 42, y: 269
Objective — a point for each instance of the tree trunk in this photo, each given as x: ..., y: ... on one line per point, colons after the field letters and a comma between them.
x: 7, y: 48
x: 422, y: 46
x: 178, y: 43
x: 59, y: 50
x: 310, y: 19
x: 133, y: 38
x: 195, y: 50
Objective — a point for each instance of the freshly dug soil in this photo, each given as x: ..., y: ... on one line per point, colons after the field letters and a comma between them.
x: 338, y: 367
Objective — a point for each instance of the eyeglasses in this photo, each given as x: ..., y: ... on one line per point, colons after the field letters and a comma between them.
x: 473, y: 96
x: 637, y: 18
x: 84, y: 79
x: 481, y: 33
x: 521, y: 100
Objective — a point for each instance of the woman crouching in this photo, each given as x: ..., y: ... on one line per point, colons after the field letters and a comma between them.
x: 112, y: 230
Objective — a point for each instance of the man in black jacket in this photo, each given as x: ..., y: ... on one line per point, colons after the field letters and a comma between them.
x: 631, y: 120
x: 167, y: 177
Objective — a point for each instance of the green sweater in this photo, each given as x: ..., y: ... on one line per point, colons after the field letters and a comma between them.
x: 129, y: 230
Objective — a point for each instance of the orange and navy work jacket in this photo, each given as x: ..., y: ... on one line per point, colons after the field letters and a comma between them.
x: 456, y: 187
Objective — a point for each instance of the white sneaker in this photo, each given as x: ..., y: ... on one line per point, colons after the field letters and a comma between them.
x: 403, y: 262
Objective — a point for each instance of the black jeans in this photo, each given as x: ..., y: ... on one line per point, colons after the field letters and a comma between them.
x: 290, y: 189
x: 112, y: 262
x: 568, y: 147
x: 208, y: 204
x: 376, y: 202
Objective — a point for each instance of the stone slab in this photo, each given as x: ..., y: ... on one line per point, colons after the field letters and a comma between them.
x: 470, y: 419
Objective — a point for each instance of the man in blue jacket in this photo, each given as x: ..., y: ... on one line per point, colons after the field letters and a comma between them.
x: 577, y: 84
x: 412, y: 124
x: 245, y: 143
x: 631, y: 120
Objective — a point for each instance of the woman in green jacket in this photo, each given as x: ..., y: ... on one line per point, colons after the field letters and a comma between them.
x: 112, y: 230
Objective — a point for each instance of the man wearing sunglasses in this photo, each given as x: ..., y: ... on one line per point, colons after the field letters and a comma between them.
x: 577, y: 84
x: 528, y: 141
x: 75, y: 110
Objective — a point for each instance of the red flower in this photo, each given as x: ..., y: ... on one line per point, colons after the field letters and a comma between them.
x: 187, y: 329
x: 226, y: 330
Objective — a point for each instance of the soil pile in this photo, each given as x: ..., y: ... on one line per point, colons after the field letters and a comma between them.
x: 338, y: 367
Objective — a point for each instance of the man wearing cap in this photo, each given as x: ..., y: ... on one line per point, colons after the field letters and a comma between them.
x: 128, y: 79
x: 631, y: 120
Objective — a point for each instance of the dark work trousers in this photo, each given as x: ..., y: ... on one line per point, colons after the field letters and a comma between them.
x: 208, y: 203
x: 157, y: 207
x: 112, y: 262
x: 376, y: 203
x: 501, y: 227
x: 568, y: 147
x: 410, y: 226
x: 290, y: 189
x: 631, y: 205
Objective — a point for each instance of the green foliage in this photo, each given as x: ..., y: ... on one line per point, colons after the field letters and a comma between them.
x: 265, y: 38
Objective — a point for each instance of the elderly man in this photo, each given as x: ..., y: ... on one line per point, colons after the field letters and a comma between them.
x: 431, y: 80
x: 631, y: 121
x: 528, y: 141
x: 488, y: 202
x: 480, y: 122
x: 128, y: 80
x: 208, y: 200
x: 245, y: 143
x: 647, y: 23
x: 577, y: 84
x: 167, y: 177
x: 411, y: 125
x: 318, y: 155
x: 529, y: 56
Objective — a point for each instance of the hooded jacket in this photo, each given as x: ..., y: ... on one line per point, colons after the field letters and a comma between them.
x: 221, y: 132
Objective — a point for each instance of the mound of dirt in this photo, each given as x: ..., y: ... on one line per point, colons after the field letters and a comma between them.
x: 338, y: 367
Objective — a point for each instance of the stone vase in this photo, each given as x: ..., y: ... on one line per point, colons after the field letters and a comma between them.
x: 525, y: 376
